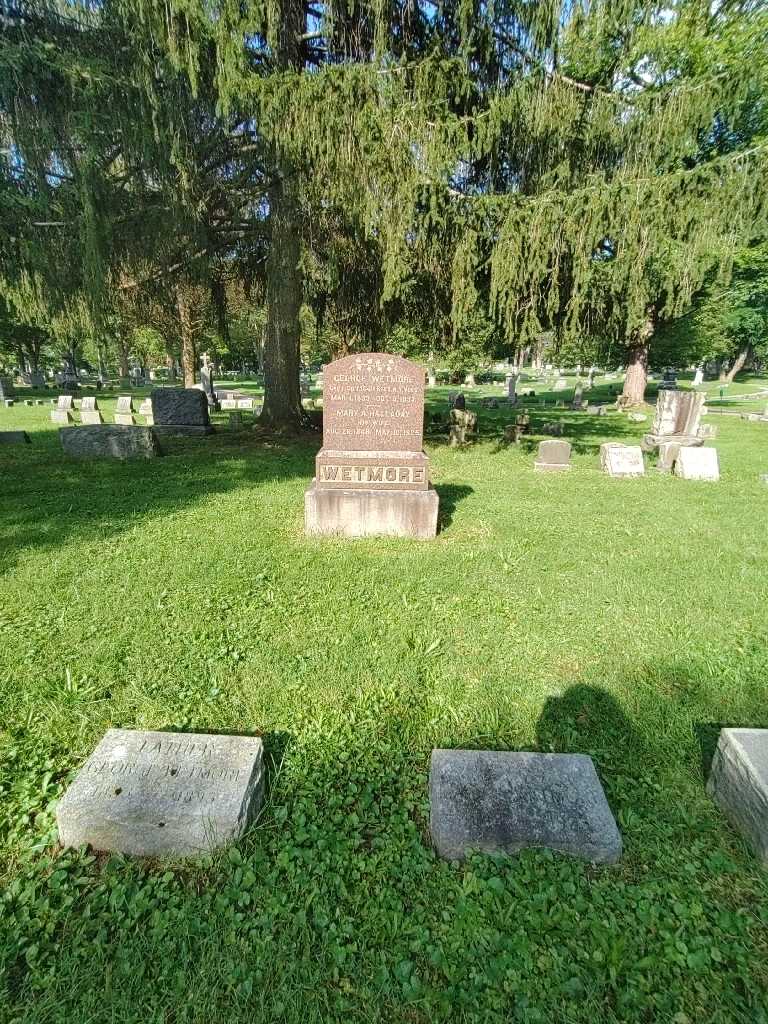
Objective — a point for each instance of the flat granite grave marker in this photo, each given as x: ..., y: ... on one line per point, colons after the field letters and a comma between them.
x: 181, y: 412
x: 697, y: 464
x: 372, y: 476
x: 161, y: 794
x: 14, y: 437
x: 490, y: 800
x: 738, y: 783
x: 553, y: 457
x: 622, y: 459
x: 109, y: 441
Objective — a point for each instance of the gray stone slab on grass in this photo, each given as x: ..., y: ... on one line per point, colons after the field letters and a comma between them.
x: 504, y: 801
x: 738, y: 783
x: 160, y: 794
x: 109, y: 441
x: 14, y: 437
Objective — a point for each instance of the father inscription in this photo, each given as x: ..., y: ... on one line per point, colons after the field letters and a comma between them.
x: 155, y: 794
x: 373, y: 420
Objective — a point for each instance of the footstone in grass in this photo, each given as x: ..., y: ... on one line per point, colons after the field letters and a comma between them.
x: 14, y: 437
x: 109, y: 441
x: 158, y: 794
x: 738, y: 783
x: 491, y: 801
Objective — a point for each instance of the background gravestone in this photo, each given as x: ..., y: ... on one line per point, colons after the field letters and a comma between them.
x: 89, y: 411
x: 553, y: 457
x: 155, y: 794
x: 124, y: 411
x: 622, y: 459
x: 181, y: 411
x: 492, y: 800
x: 371, y: 473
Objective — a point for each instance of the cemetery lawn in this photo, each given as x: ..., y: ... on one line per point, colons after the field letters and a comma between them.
x: 625, y: 619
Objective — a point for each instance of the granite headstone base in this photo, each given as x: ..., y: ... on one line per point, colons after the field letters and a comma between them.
x: 14, y: 437
x: 159, y: 794
x: 370, y: 513
x: 500, y: 801
x: 182, y: 430
x: 109, y: 441
x: 738, y: 783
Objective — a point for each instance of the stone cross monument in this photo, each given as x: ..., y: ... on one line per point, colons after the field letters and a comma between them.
x: 372, y: 476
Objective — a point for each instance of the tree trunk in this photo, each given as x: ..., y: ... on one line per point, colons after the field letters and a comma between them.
x: 282, y: 401
x: 738, y: 364
x: 188, y: 361
x: 637, y: 364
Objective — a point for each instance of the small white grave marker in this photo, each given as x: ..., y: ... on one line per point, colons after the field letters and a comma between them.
x: 622, y: 459
x: 697, y: 464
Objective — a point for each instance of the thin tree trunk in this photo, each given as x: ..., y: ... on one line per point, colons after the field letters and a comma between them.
x: 188, y: 362
x: 636, y: 377
x: 741, y: 358
x: 282, y: 401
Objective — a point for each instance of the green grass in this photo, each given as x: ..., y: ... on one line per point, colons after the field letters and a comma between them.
x: 626, y: 619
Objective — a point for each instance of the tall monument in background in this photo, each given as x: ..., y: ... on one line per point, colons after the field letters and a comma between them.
x: 372, y: 476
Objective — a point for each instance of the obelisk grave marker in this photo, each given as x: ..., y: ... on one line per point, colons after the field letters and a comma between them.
x: 372, y: 476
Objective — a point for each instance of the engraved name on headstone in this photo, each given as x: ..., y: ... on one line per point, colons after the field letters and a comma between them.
x: 163, y: 794
x: 373, y: 403
x: 373, y: 423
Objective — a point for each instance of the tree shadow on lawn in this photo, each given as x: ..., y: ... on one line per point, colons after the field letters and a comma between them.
x: 49, y: 499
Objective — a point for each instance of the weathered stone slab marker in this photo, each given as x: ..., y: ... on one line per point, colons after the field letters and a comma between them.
x: 622, y: 459
x: 371, y: 473
x: 490, y: 800
x: 553, y: 457
x: 697, y: 464
x: 181, y: 412
x: 160, y: 794
x: 738, y: 783
x: 14, y: 437
x: 109, y: 441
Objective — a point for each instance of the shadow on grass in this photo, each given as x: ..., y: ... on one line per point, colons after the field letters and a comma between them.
x: 49, y: 499
x: 450, y: 495
x: 587, y: 720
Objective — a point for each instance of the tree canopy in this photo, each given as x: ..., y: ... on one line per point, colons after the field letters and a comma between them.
x: 576, y: 168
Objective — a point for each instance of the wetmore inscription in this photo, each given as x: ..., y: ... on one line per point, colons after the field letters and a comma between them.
x: 372, y: 477
x: 373, y: 402
x: 163, y: 794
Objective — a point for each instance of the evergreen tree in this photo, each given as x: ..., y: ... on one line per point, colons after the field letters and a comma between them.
x: 583, y: 168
